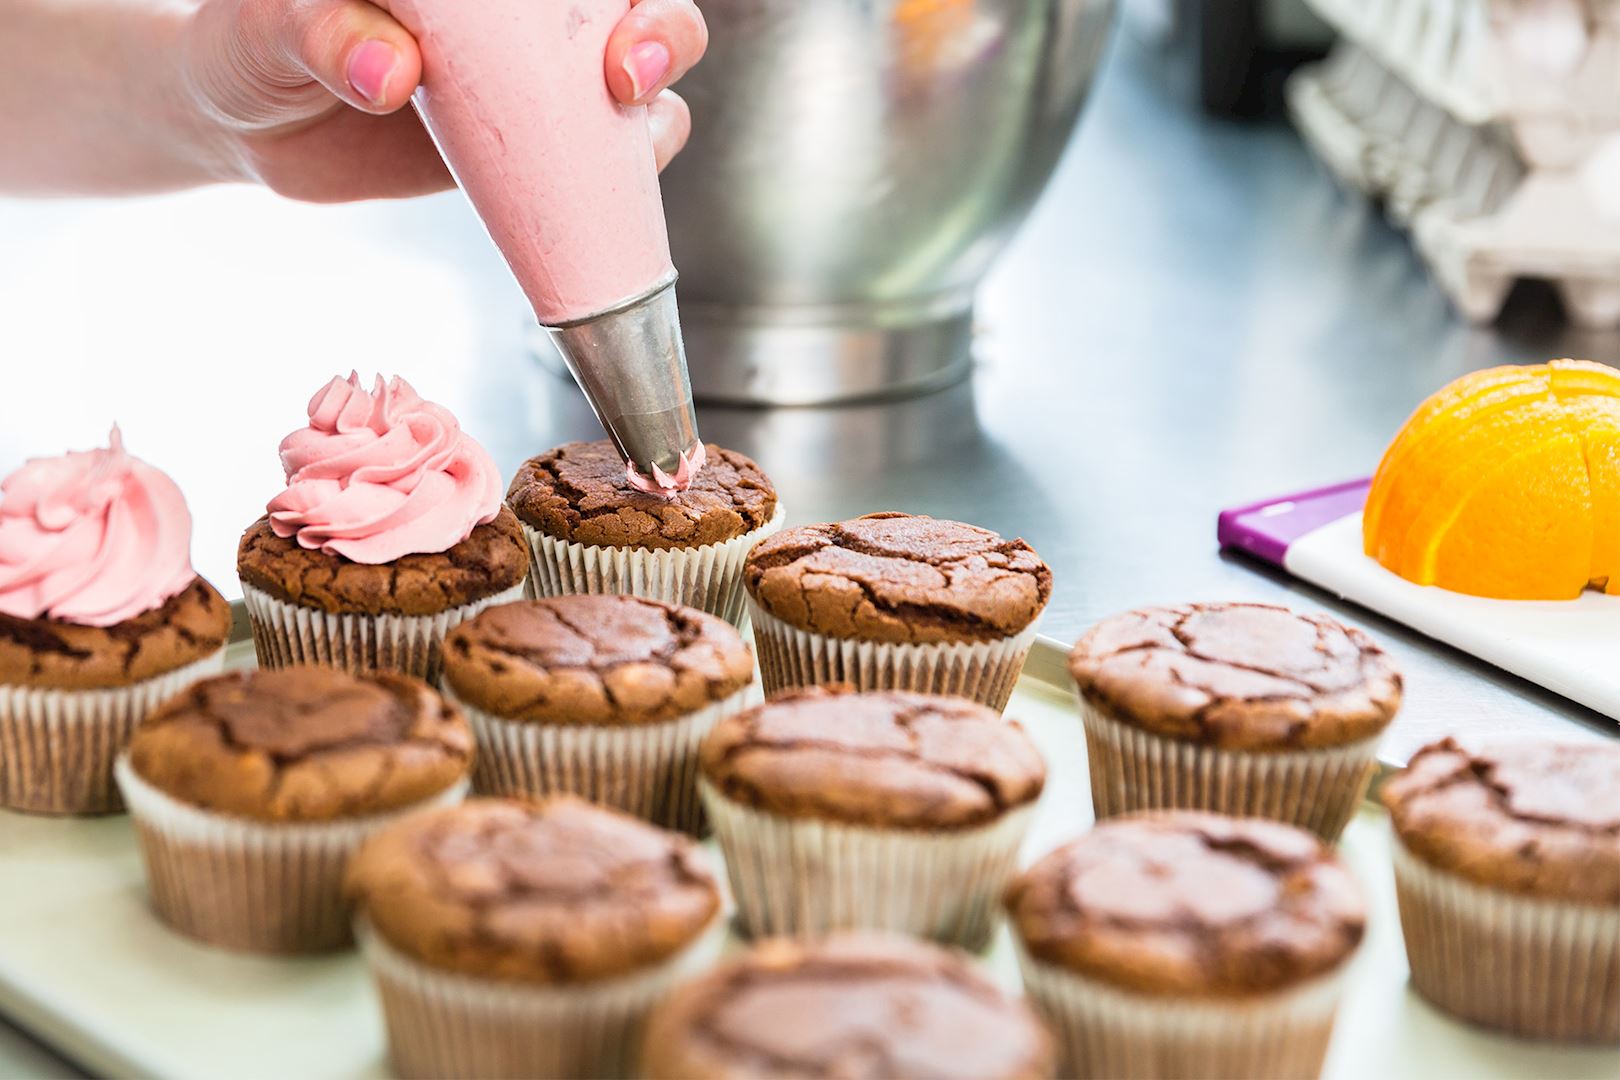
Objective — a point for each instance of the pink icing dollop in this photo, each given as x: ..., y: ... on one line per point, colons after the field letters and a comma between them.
x: 662, y: 483
x: 376, y: 476
x: 94, y: 537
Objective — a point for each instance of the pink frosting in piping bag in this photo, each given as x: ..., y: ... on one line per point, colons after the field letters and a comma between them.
x: 376, y: 476
x: 95, y: 537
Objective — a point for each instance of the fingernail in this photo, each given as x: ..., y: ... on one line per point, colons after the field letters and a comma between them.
x: 646, y: 64
x: 370, y: 65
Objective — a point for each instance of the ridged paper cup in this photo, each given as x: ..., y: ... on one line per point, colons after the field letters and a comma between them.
x: 648, y: 770
x: 708, y: 578
x: 982, y: 671
x: 1105, y: 1032
x: 801, y: 878
x: 286, y: 634
x: 443, y: 1023
x: 1545, y: 969
x: 251, y: 885
x: 57, y: 747
x: 1133, y: 770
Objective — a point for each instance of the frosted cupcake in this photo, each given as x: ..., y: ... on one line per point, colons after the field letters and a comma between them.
x: 390, y: 533
x: 591, y: 530
x: 101, y: 618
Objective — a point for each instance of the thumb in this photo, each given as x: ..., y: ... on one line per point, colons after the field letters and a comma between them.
x: 355, y: 49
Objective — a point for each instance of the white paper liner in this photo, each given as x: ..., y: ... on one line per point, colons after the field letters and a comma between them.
x: 57, y: 747
x: 286, y: 634
x: 443, y: 1024
x: 790, y: 658
x: 799, y: 877
x: 1106, y: 1032
x: 708, y: 578
x: 1521, y: 964
x: 1133, y: 770
x: 648, y: 770
x: 250, y: 885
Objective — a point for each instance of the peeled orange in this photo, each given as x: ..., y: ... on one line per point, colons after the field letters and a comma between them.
x: 1506, y: 484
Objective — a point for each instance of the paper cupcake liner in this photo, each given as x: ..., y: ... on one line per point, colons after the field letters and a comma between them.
x: 1133, y: 770
x: 443, y: 1023
x: 790, y: 658
x: 1525, y: 965
x: 286, y: 634
x: 802, y: 878
x: 649, y: 770
x: 1106, y: 1032
x: 57, y: 747
x: 250, y: 885
x: 708, y: 578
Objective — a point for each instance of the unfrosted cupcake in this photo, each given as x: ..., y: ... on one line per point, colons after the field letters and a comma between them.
x: 853, y: 1005
x: 590, y: 530
x: 250, y: 790
x: 528, y: 938
x: 880, y: 811
x: 101, y: 618
x: 390, y: 533
x: 892, y: 601
x: 1245, y: 709
x: 1181, y: 944
x: 1507, y: 869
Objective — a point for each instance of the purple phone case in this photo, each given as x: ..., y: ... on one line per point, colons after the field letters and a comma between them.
x: 1266, y: 529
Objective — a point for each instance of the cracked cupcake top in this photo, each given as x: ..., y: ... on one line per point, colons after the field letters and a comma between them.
x: 897, y: 578
x: 550, y: 892
x: 1238, y: 676
x: 303, y: 744
x: 601, y: 660
x: 887, y: 759
x: 490, y: 561
x: 1538, y: 818
x: 1191, y: 904
x: 48, y: 654
x: 579, y: 492
x: 853, y: 1005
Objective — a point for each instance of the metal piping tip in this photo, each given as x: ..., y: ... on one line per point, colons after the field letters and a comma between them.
x: 631, y: 363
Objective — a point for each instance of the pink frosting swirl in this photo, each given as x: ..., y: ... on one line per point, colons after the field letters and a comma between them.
x: 94, y: 537
x: 376, y: 476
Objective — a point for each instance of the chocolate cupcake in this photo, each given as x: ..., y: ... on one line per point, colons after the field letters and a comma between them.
x: 606, y: 697
x: 528, y: 939
x: 390, y: 533
x: 889, y: 810
x: 591, y: 530
x: 851, y: 1005
x: 101, y: 618
x: 1184, y: 944
x: 250, y: 790
x: 896, y: 602
x: 1244, y: 709
x: 1507, y: 870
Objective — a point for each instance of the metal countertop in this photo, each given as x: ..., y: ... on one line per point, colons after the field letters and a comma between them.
x: 1194, y: 317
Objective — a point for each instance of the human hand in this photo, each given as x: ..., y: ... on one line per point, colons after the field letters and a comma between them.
x: 307, y: 96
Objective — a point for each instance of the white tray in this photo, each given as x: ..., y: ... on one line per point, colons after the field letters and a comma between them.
x: 85, y: 966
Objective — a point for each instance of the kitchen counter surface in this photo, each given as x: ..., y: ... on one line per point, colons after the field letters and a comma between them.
x: 1194, y: 317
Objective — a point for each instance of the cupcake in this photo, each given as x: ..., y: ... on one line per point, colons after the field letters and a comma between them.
x: 606, y: 697
x: 390, y: 533
x: 851, y: 1005
x: 1507, y: 871
x: 1183, y: 944
x: 528, y: 938
x: 1244, y: 709
x: 888, y: 810
x: 250, y: 790
x: 101, y: 618
x: 590, y: 530
x: 896, y: 602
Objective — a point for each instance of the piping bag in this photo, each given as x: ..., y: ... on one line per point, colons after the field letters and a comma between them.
x: 563, y: 177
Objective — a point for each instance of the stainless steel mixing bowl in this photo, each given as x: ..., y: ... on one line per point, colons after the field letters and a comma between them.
x: 855, y: 166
